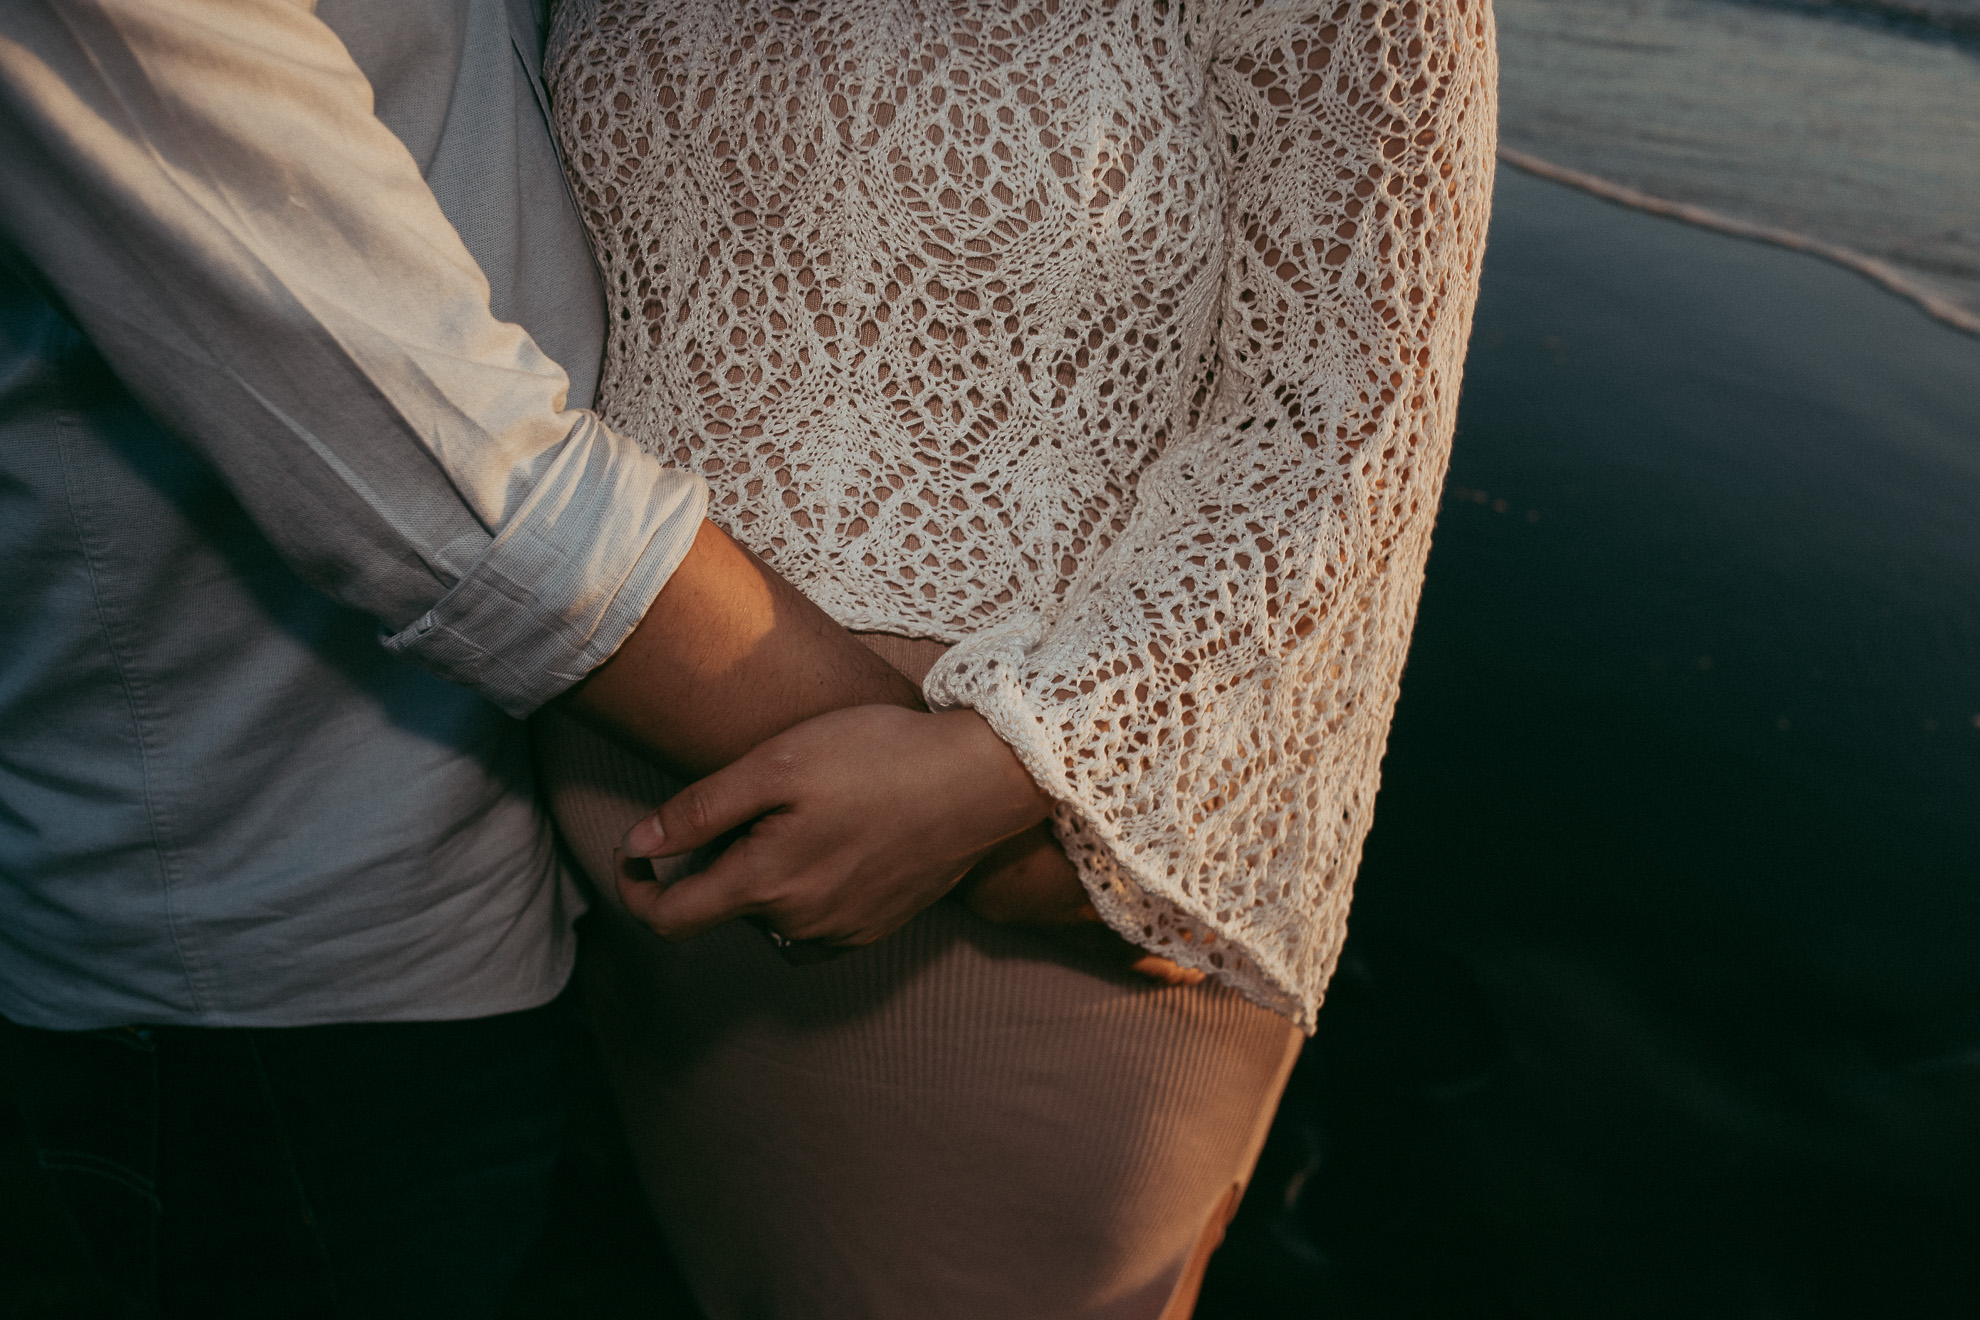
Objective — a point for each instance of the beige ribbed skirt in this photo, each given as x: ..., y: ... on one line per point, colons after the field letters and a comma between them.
x: 964, y: 1120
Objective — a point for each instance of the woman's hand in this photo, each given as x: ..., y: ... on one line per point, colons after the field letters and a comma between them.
x: 1027, y: 881
x: 856, y: 821
x: 859, y: 819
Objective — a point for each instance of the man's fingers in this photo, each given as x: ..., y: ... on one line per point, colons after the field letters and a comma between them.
x: 1026, y: 880
x: 706, y: 810
x: 1157, y: 968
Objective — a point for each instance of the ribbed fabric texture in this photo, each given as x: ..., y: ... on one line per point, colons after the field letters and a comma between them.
x: 963, y: 1120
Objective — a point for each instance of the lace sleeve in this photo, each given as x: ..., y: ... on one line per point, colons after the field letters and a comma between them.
x: 1211, y: 705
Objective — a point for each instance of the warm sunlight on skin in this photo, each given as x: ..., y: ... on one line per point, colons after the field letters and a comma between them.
x: 944, y: 787
x: 757, y: 654
x: 762, y: 660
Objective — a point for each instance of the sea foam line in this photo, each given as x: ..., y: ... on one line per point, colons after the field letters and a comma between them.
x: 1913, y: 18
x: 1933, y: 304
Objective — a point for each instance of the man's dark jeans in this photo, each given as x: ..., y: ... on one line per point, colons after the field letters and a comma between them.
x: 366, y: 1171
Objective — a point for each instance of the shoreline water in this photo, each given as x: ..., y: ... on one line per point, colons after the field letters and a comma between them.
x: 1880, y: 273
x: 1958, y: 20
x: 1849, y: 129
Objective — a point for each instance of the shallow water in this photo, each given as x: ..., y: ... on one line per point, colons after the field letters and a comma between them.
x: 1662, y: 993
x: 1824, y: 119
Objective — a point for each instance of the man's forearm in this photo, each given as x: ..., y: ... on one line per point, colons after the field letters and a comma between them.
x: 203, y: 189
x: 728, y: 655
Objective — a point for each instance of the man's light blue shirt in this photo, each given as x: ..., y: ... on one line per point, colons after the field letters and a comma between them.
x: 253, y: 405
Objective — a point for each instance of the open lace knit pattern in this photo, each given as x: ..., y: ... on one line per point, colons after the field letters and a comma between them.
x: 1117, y: 343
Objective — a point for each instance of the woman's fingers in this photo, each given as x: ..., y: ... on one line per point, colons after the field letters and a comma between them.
x: 728, y: 889
x: 707, y: 809
x: 856, y: 820
x: 636, y: 883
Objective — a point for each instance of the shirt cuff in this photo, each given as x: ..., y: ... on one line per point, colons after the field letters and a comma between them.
x: 567, y: 579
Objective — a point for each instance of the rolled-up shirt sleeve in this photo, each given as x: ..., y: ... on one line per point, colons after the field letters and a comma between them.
x: 203, y: 188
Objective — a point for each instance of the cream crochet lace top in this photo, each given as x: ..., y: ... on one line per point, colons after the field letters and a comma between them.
x: 1116, y: 343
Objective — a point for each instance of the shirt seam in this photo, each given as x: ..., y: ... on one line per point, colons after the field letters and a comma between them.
x: 157, y: 816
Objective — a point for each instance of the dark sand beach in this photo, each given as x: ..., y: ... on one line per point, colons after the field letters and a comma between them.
x: 1663, y: 992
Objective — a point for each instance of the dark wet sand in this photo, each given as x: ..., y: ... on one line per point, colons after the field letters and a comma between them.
x: 1662, y: 995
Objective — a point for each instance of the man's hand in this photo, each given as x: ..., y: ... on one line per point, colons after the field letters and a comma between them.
x: 1027, y: 881
x: 857, y: 820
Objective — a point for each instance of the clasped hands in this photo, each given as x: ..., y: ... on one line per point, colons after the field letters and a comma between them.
x: 846, y: 825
